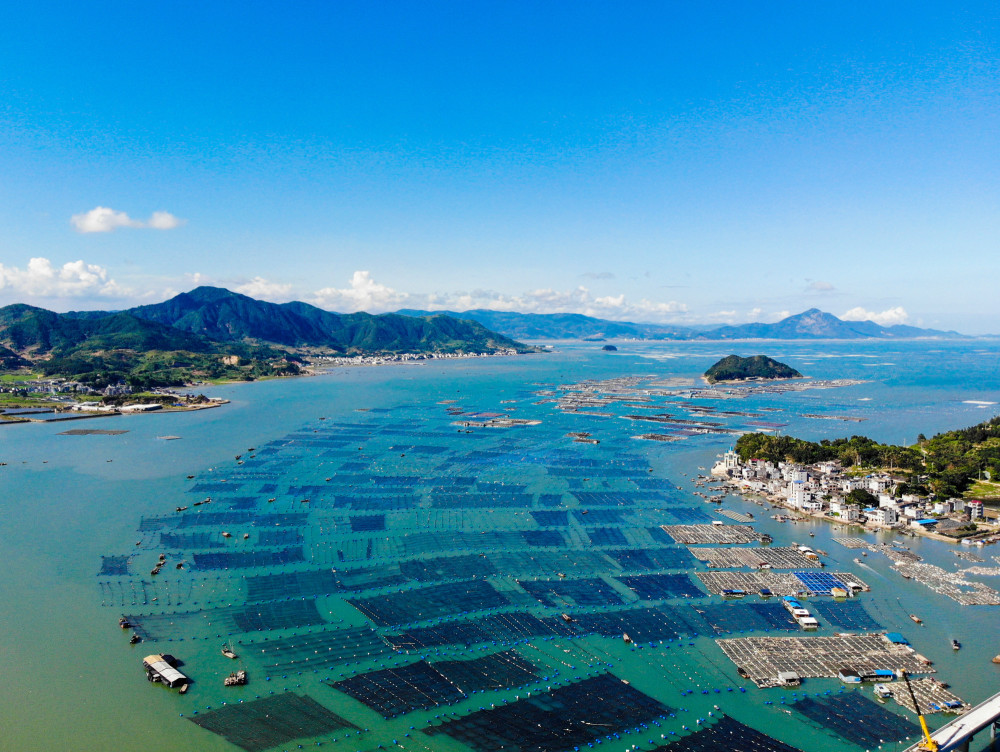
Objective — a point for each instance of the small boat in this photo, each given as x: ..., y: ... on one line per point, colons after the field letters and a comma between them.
x: 135, y: 639
x: 246, y: 536
x: 235, y: 679
x: 227, y: 535
x: 956, y: 645
x: 184, y: 688
x: 627, y: 639
x: 996, y: 658
x: 916, y: 619
x: 567, y: 617
x: 190, y: 477
x: 228, y: 651
x: 743, y: 672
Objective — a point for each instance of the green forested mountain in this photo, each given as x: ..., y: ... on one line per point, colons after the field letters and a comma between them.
x: 215, y: 333
x: 225, y: 316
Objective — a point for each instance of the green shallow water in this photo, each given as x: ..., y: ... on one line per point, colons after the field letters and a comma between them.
x: 69, y: 680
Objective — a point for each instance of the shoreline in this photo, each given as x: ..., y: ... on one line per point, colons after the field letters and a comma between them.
x: 796, y: 515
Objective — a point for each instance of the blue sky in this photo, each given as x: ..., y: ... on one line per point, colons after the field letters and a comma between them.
x: 688, y: 162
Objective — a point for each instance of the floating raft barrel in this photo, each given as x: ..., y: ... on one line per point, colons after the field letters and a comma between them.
x: 158, y: 669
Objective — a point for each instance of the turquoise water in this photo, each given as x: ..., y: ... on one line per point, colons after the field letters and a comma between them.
x: 69, y: 680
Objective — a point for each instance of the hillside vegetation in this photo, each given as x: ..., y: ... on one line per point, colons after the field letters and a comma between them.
x: 735, y: 368
x: 211, y: 333
x: 947, y: 465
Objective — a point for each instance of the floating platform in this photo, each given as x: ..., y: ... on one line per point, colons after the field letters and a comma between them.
x: 763, y: 658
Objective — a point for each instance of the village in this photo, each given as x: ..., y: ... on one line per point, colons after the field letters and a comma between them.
x: 42, y: 400
x: 827, y: 491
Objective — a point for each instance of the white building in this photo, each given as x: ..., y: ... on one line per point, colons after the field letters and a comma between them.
x: 883, y: 516
x: 797, y: 494
x: 975, y: 510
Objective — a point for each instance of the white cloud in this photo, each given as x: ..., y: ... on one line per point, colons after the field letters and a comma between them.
x: 103, y: 219
x: 162, y: 220
x: 364, y: 294
x: 888, y: 317
x: 262, y: 289
x: 41, y: 278
x: 818, y: 285
x: 578, y: 300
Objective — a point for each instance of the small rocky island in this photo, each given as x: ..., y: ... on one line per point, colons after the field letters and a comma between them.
x: 735, y: 368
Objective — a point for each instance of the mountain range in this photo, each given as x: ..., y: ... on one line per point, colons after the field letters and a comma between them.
x: 811, y: 324
x: 205, y: 327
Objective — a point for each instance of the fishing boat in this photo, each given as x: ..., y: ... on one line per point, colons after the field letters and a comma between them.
x: 228, y: 651
x: 916, y: 619
x: 235, y: 679
x: 628, y: 639
x: 956, y: 645
x: 124, y: 623
x: 743, y: 672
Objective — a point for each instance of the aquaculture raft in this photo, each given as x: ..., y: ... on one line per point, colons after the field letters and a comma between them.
x: 763, y: 658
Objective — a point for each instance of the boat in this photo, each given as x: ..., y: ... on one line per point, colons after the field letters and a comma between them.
x: 628, y: 639
x: 567, y: 617
x: 235, y: 679
x: 743, y: 672
x: 228, y: 651
x: 916, y: 619
x: 135, y: 639
x: 996, y: 658
x: 882, y: 692
x: 124, y: 623
x: 227, y: 535
x: 956, y: 645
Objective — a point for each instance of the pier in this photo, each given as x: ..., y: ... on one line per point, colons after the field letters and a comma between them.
x: 957, y: 734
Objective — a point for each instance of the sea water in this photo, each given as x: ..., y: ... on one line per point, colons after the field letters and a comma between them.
x: 69, y: 679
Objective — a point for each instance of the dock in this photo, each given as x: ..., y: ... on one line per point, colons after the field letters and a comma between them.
x: 956, y: 734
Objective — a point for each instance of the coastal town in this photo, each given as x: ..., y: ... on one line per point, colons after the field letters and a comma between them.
x: 47, y: 399
x: 826, y: 490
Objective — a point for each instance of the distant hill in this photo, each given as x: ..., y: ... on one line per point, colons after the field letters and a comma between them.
x: 817, y: 324
x: 562, y: 325
x: 225, y: 316
x: 735, y: 368
x: 214, y: 333
x: 811, y: 324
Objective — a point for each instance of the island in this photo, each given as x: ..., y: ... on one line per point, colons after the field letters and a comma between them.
x: 735, y: 368
x: 610, y: 348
